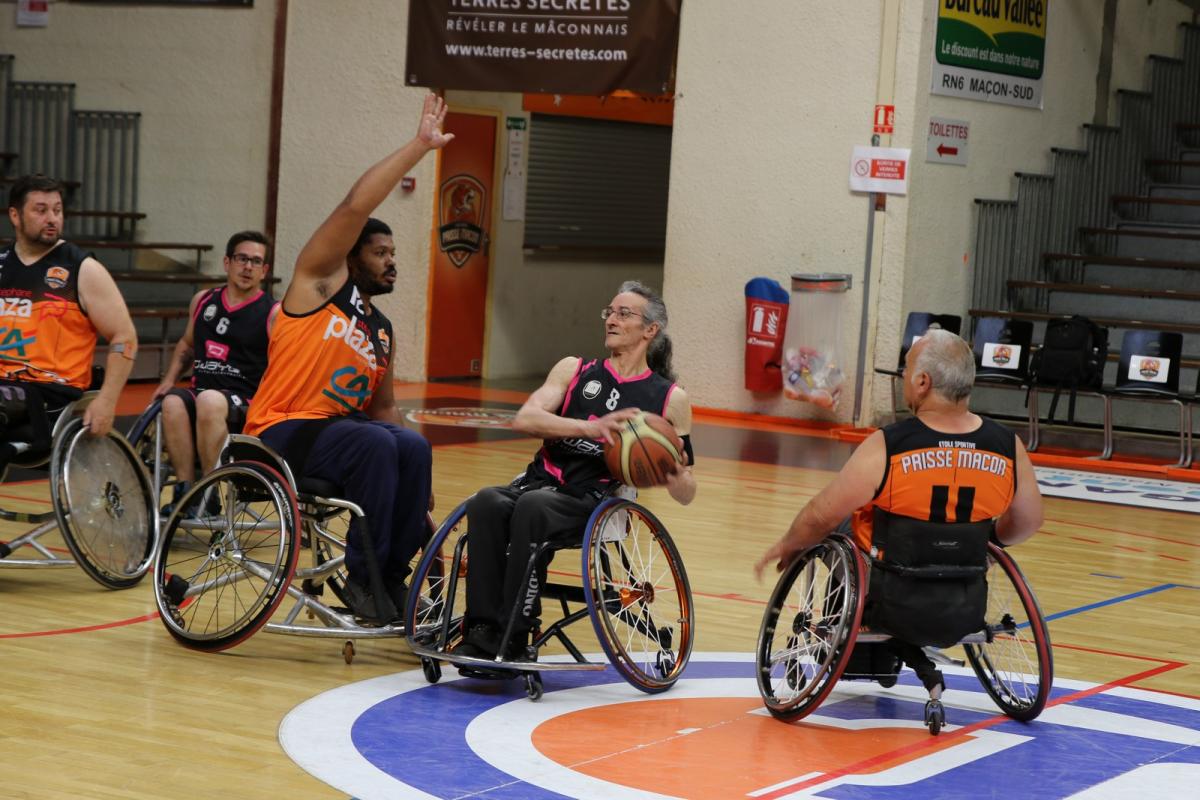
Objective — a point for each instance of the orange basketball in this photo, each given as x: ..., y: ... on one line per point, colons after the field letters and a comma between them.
x: 645, y: 452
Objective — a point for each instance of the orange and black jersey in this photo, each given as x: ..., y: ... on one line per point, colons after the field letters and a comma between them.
x: 45, y: 334
x: 943, y: 477
x: 326, y: 363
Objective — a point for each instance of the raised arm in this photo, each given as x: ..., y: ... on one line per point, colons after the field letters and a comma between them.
x: 323, y: 259
x: 105, y: 306
x: 183, y: 354
x: 539, y: 416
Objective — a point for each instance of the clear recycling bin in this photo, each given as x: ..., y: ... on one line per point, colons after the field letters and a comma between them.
x: 812, y: 352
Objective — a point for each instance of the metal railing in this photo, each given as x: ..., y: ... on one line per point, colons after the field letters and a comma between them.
x: 37, y: 122
x: 104, y: 159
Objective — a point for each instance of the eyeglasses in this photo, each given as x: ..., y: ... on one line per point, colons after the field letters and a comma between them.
x: 622, y: 313
x: 242, y: 259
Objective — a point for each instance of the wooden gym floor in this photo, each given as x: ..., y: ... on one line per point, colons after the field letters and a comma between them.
x: 102, y: 703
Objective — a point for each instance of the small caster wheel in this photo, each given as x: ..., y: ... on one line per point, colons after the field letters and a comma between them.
x: 533, y: 685
x: 348, y: 651
x: 935, y: 716
x: 664, y: 662
x: 432, y: 670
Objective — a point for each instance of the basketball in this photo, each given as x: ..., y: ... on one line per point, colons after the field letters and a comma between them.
x: 645, y: 452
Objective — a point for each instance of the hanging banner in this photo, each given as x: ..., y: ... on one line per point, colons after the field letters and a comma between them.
x: 567, y: 46
x: 993, y: 51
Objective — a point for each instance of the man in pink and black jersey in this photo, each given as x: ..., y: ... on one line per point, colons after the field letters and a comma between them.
x: 225, y: 344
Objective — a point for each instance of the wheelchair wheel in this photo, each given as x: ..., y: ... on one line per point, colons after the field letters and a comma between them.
x: 1015, y: 665
x: 151, y: 450
x: 809, y: 627
x: 433, y: 610
x: 638, y: 594
x: 102, y: 500
x: 227, y: 556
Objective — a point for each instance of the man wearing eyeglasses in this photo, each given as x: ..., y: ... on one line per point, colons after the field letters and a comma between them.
x: 225, y: 344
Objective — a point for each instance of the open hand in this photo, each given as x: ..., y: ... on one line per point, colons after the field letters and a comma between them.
x: 432, y: 116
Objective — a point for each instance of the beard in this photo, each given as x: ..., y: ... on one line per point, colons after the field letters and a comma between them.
x: 372, y: 286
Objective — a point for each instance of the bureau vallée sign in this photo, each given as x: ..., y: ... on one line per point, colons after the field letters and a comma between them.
x: 589, y: 47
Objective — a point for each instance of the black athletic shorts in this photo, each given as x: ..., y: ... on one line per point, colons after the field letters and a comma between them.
x: 238, y: 405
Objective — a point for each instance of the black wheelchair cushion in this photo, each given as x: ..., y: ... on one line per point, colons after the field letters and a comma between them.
x: 319, y: 487
x: 928, y: 582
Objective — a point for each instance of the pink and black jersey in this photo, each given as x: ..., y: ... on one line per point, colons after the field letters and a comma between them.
x: 595, y: 390
x: 230, y: 342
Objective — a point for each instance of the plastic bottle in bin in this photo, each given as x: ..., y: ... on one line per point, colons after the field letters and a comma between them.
x: 812, y: 364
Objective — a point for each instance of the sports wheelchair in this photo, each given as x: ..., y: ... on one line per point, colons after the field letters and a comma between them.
x: 633, y: 587
x: 101, y: 498
x: 230, y: 554
x: 813, y: 634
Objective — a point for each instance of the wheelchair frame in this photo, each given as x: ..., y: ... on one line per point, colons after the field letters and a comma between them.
x: 301, y: 511
x: 88, y: 548
x: 826, y: 625
x: 435, y: 628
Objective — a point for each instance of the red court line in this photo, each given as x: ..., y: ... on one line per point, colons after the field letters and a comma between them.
x: 1175, y: 558
x: 1124, y: 532
x: 916, y: 747
x: 26, y: 499
x: 1128, y: 548
x: 85, y: 629
x: 1082, y: 539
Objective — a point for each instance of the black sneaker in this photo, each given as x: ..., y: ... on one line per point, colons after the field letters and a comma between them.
x: 518, y: 649
x: 179, y: 490
x: 482, y: 641
x: 362, y: 604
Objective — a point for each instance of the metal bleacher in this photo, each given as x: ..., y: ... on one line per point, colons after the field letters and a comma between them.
x: 1111, y: 231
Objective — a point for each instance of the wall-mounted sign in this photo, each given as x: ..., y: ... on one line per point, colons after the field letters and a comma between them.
x: 994, y: 50
x: 885, y: 119
x: 569, y: 46
x: 879, y: 169
x: 946, y: 142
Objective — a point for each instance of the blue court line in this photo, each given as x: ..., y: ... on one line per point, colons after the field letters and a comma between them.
x: 1121, y: 599
x: 1106, y: 575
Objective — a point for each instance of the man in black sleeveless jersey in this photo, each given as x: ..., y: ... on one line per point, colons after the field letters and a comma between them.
x: 54, y: 301
x: 581, y: 404
x: 942, y: 465
x: 225, y: 344
x: 892, y: 467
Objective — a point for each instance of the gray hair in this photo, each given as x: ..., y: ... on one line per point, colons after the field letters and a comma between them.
x: 658, y: 355
x: 949, y: 362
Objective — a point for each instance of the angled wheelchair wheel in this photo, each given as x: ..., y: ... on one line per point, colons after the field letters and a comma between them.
x: 638, y: 595
x: 145, y: 437
x: 809, y: 627
x: 1015, y: 665
x: 433, y: 618
x: 227, y: 556
x: 102, y: 500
